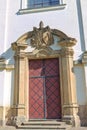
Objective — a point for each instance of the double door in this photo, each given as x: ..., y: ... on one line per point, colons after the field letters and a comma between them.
x: 44, y: 89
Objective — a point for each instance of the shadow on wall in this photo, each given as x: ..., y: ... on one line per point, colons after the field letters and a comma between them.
x: 12, y: 88
x: 8, y: 55
x: 83, y: 114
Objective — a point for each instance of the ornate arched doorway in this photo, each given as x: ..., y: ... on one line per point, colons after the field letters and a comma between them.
x: 43, y: 75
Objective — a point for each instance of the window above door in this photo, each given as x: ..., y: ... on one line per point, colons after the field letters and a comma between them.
x: 30, y: 6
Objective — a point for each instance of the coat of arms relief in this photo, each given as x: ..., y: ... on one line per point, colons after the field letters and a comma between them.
x: 42, y: 37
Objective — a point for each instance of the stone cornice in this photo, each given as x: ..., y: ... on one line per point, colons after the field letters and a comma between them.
x: 20, y: 46
x: 68, y: 42
x: 6, y: 67
x: 82, y: 60
x: 2, y: 60
x: 77, y: 63
x: 84, y: 57
x: 43, y: 53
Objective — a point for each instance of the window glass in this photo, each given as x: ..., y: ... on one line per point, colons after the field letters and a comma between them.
x: 41, y: 3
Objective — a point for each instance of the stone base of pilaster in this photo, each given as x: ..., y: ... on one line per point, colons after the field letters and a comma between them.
x: 72, y: 120
x: 18, y: 120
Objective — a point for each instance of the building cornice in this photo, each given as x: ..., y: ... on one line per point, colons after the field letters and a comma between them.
x: 4, y: 65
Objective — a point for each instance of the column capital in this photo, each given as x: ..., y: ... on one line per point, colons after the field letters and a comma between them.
x: 65, y: 52
x: 19, y: 55
x: 19, y: 49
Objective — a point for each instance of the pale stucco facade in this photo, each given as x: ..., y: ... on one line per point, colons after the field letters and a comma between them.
x: 71, y: 20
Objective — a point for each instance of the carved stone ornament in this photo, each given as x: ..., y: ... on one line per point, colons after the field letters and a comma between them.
x: 42, y: 37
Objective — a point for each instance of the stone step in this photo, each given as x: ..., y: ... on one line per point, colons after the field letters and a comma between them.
x: 43, y: 123
x: 42, y: 127
x: 45, y: 120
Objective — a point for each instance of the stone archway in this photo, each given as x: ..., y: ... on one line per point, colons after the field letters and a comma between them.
x: 41, y: 39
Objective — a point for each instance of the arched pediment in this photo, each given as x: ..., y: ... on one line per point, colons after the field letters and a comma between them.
x: 30, y: 34
x: 42, y: 37
x: 55, y: 32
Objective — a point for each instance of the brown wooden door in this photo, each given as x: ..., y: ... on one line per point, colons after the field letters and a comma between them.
x: 44, y: 89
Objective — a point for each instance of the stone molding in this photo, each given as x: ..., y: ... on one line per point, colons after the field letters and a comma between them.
x: 7, y: 67
x: 18, y: 46
x: 84, y: 57
x: 82, y: 61
x: 43, y: 53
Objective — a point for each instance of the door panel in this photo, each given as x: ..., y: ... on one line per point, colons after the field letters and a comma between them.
x: 53, y: 98
x: 44, y: 89
x: 36, y: 101
x: 35, y: 68
x: 51, y: 67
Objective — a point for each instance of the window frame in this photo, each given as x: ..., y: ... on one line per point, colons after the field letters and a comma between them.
x: 24, y: 9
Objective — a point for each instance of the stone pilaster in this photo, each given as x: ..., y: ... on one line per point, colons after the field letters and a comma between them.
x: 83, y: 114
x: 19, y: 88
x: 69, y: 99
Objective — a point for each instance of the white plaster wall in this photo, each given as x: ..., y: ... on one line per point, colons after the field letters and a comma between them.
x: 12, y: 26
x: 8, y: 88
x: 2, y: 24
x: 2, y: 73
x: 65, y: 20
x: 80, y: 84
